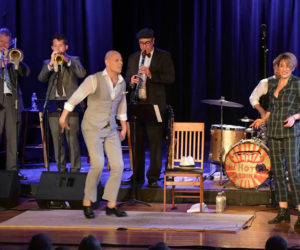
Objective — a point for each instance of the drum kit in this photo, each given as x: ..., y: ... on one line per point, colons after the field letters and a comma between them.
x: 241, y: 152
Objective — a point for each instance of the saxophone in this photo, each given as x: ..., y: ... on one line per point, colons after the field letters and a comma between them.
x: 169, y: 163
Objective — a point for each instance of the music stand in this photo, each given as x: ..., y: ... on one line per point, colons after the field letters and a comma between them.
x: 143, y: 113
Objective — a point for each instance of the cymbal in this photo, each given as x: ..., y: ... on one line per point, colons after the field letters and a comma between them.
x: 246, y: 119
x: 222, y: 102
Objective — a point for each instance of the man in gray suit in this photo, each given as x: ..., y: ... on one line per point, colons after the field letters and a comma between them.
x: 61, y: 73
x: 106, y: 101
x: 8, y: 94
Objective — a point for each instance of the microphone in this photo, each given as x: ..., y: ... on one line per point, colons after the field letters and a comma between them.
x: 263, y: 29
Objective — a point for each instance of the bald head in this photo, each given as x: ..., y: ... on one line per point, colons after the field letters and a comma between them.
x: 113, y: 62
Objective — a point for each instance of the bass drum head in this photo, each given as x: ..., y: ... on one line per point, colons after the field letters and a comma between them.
x: 247, y: 164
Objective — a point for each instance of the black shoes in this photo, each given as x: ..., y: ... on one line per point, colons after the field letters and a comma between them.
x: 115, y: 211
x: 283, y: 215
x: 297, y: 224
x: 88, y: 212
x: 153, y: 184
x: 130, y: 182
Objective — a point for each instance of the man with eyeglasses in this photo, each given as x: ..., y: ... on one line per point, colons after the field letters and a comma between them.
x: 153, y: 68
x: 9, y: 93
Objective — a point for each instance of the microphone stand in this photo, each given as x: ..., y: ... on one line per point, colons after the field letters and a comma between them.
x: 45, y: 114
x: 264, y: 48
x: 134, y: 101
x: 16, y: 70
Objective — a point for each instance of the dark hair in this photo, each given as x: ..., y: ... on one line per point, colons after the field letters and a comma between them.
x: 6, y: 32
x: 276, y: 242
x: 60, y: 37
x: 89, y: 243
x: 159, y: 246
x: 40, y: 242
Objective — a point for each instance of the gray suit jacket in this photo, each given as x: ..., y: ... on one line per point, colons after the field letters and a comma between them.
x: 70, y: 75
x: 22, y: 72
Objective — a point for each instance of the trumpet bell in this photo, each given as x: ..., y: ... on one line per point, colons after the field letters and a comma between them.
x: 15, y: 55
x: 59, y: 59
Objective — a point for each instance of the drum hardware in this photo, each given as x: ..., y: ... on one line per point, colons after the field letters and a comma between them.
x: 222, y: 103
x: 245, y: 119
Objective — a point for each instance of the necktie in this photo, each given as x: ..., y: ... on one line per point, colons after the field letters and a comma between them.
x: 59, y: 86
x: 7, y: 79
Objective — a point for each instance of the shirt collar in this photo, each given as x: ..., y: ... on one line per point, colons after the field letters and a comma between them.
x: 151, y: 52
x: 120, y: 77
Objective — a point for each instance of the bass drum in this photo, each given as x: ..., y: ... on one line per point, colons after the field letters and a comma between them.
x: 247, y: 163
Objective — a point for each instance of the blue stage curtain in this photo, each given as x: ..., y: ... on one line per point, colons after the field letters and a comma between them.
x: 215, y: 44
x: 216, y: 47
x: 86, y: 24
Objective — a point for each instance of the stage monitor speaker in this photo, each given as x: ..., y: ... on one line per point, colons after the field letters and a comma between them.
x: 62, y: 190
x: 10, y: 188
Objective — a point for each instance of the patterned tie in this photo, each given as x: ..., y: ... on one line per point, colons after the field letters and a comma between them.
x: 7, y: 79
x: 59, y: 85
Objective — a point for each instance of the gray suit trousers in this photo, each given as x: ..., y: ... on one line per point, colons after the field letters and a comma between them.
x: 97, y: 142
x: 72, y: 140
x: 8, y: 120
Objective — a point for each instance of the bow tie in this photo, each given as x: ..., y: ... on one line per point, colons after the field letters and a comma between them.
x: 148, y: 55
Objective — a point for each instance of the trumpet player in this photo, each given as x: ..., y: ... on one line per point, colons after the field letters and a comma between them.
x: 10, y: 115
x: 61, y: 72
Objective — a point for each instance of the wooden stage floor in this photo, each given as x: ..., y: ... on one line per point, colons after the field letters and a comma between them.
x: 252, y: 237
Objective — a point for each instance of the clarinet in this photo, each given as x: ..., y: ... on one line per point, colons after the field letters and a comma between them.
x: 136, y: 92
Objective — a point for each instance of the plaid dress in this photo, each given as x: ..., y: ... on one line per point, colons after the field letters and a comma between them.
x: 284, y: 142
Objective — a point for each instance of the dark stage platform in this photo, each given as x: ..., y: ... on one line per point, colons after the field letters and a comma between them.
x: 235, y: 195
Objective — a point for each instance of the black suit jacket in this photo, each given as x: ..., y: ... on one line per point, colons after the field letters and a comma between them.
x: 162, y: 70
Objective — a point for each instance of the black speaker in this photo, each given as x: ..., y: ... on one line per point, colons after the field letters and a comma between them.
x: 10, y: 188
x: 62, y: 190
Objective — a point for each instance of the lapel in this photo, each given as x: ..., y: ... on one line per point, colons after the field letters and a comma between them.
x: 153, y: 59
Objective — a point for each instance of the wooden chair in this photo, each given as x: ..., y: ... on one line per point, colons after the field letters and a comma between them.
x: 42, y: 145
x: 187, y: 140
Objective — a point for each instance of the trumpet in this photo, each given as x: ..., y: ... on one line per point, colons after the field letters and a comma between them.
x: 59, y: 59
x: 15, y: 56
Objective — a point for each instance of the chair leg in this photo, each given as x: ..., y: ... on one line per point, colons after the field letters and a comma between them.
x: 43, y: 140
x: 165, y: 194
x: 24, y: 140
x: 173, y: 196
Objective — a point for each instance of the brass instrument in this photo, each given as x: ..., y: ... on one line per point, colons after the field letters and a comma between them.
x: 59, y: 59
x: 170, y: 161
x: 15, y: 56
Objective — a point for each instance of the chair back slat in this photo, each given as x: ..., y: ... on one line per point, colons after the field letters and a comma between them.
x: 188, y: 140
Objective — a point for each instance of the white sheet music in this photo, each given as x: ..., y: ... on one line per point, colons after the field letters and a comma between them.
x: 157, y: 113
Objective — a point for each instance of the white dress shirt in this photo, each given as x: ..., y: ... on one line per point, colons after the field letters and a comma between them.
x: 260, y: 90
x: 89, y: 86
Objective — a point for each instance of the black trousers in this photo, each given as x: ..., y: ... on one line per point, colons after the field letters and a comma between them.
x: 154, y: 133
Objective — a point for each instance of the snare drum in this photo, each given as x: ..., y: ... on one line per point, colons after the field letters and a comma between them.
x: 231, y: 135
x: 247, y: 163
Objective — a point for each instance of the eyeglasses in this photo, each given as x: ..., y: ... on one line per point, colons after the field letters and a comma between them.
x: 145, y: 43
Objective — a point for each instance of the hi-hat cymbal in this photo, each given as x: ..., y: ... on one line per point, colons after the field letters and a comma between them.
x: 222, y: 102
x: 246, y: 119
